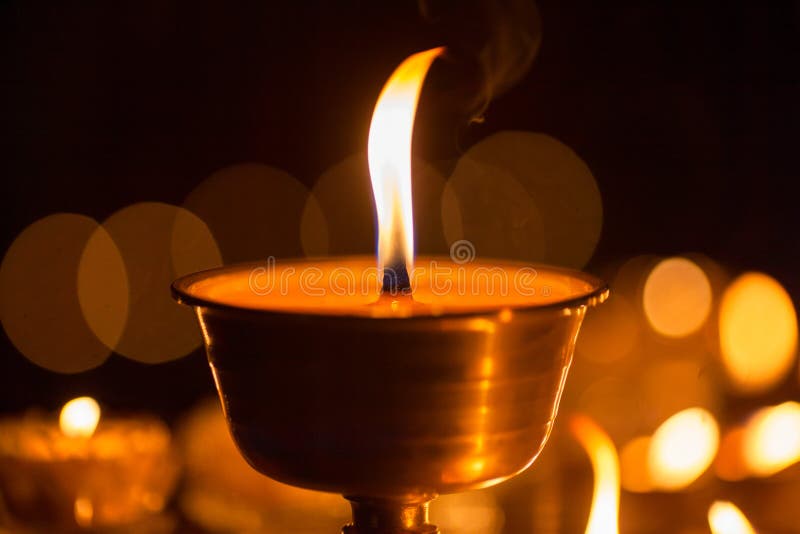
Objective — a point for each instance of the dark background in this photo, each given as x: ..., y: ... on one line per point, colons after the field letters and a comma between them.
x: 687, y: 113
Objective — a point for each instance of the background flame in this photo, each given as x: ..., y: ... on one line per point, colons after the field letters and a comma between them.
x: 79, y: 417
x: 725, y: 518
x: 604, y: 516
x: 772, y: 439
x: 389, y: 156
x: 682, y: 448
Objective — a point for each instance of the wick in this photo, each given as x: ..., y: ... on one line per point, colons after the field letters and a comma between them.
x: 396, y: 280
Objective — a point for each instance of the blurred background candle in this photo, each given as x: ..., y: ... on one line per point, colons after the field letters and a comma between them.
x: 726, y: 518
x: 222, y: 493
x: 85, y: 471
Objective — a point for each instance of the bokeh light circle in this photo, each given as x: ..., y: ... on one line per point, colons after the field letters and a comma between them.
x: 158, y: 242
x: 771, y: 440
x: 553, y: 214
x: 253, y: 211
x: 677, y: 297
x: 39, y: 304
x: 758, y: 333
x: 103, y: 290
x: 682, y: 448
x: 488, y: 207
x: 192, y: 247
x: 314, y: 233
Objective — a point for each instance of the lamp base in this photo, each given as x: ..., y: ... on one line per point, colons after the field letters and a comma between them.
x: 375, y: 516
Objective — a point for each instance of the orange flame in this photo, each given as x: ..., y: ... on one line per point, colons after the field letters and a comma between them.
x: 604, y: 516
x: 389, y: 155
x: 79, y: 417
x: 725, y: 518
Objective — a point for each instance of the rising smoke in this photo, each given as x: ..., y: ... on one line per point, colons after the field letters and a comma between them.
x: 493, y: 41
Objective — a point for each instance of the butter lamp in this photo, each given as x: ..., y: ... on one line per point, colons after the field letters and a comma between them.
x: 391, y: 383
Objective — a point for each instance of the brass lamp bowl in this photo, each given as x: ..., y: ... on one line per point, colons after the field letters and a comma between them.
x: 391, y: 412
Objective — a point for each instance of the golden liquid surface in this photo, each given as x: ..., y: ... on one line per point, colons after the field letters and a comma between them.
x: 351, y: 286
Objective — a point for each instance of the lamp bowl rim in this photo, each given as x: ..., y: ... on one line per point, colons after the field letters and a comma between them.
x: 598, y: 291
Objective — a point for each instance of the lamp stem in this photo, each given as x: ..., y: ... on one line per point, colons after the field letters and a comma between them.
x: 375, y: 516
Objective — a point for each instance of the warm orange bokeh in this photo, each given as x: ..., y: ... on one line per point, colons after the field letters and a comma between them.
x: 682, y: 448
x: 502, y: 196
x: 771, y: 440
x: 633, y: 464
x: 758, y: 333
x: 39, y: 303
x: 729, y: 464
x: 725, y: 518
x: 677, y: 297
